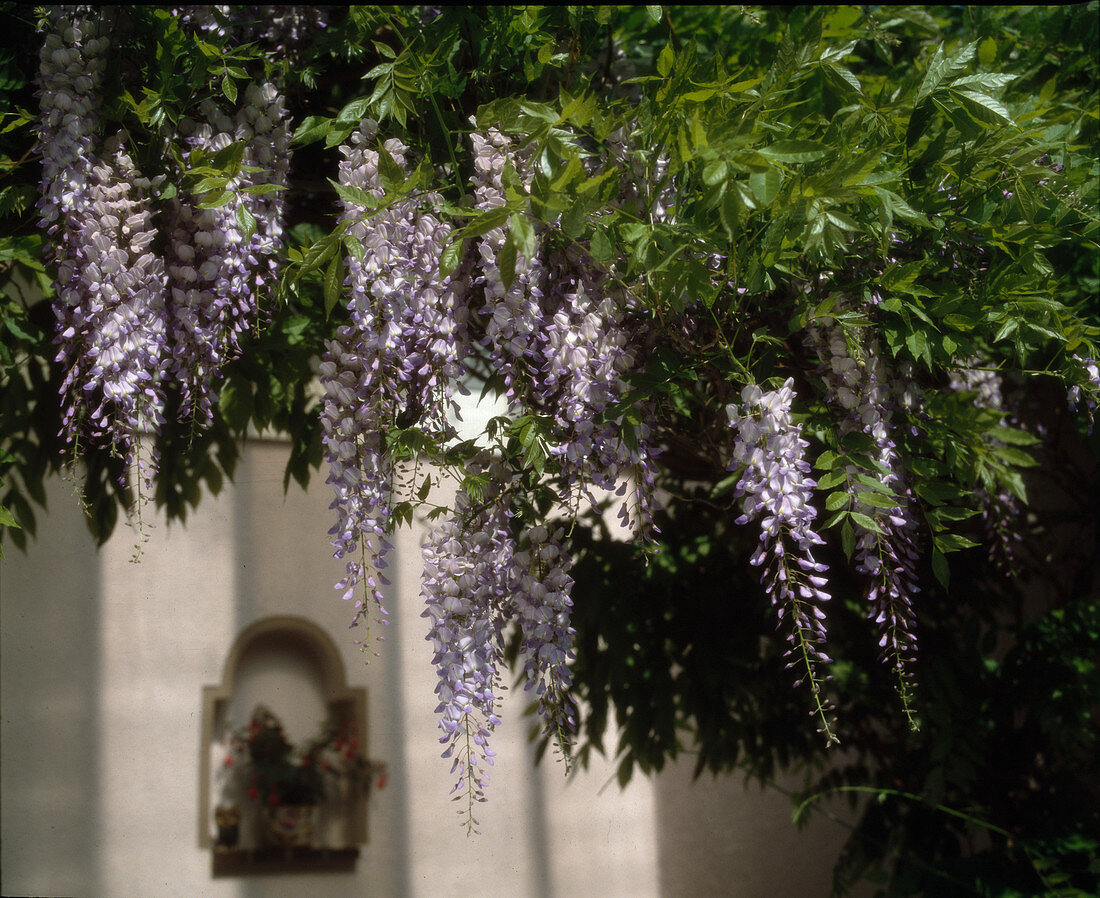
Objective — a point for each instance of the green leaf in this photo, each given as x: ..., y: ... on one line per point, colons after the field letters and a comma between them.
x: 7, y: 519
x: 451, y: 256
x: 334, y: 281
x: 876, y: 500
x: 355, y: 196
x: 312, y: 128
x: 354, y: 111
x: 506, y: 262
x: 247, y: 222
x: 941, y: 568
x: 987, y: 52
x: 486, y: 221
x: 832, y: 479
x: 600, y: 246
x: 943, y: 67
x: 765, y: 185
x: 665, y: 60
x: 837, y: 500
x: 847, y: 539
x: 866, y: 522
x: 215, y: 201
x: 393, y: 176
x: 1014, y: 456
x: 1014, y: 436
x: 229, y: 88
x: 794, y: 151
x: 983, y: 108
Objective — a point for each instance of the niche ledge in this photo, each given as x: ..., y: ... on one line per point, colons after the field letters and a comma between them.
x: 265, y: 861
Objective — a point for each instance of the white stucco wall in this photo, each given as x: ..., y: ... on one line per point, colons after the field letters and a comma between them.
x: 103, y: 667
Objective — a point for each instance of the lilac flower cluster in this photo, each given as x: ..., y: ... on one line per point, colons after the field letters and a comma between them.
x: 477, y: 577
x: 466, y: 564
x: 560, y: 329
x: 515, y: 318
x: 541, y: 592
x: 285, y: 30
x: 395, y: 364
x: 216, y: 270
x: 111, y: 286
x: 775, y: 490
x: 588, y: 355
x: 1001, y: 510
x: 857, y: 384
x: 1077, y: 398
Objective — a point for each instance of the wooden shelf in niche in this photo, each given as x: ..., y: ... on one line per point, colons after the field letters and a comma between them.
x: 265, y: 861
x: 302, y: 638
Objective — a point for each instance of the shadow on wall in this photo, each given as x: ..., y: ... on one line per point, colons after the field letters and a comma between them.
x: 49, y: 692
x: 719, y: 838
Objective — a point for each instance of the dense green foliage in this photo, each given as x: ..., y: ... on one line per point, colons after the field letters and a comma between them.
x: 926, y: 177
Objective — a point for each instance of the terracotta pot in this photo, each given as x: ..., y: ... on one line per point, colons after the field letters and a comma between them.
x: 289, y: 825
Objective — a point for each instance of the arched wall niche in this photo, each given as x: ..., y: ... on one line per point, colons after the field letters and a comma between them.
x: 308, y: 648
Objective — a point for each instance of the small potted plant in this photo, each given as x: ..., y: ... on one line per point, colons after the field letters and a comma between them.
x: 289, y: 783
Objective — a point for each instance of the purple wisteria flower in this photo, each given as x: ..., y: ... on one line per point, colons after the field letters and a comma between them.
x: 1001, y: 511
x: 478, y: 576
x: 216, y: 269
x: 468, y: 561
x: 284, y: 30
x: 775, y: 490
x: 515, y: 325
x: 588, y: 354
x: 857, y: 385
x: 95, y: 210
x: 543, y: 607
x: 559, y: 332
x: 397, y: 363
x: 1078, y: 398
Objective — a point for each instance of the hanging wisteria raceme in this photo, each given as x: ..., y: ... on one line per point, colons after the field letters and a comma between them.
x: 559, y: 329
x: 515, y: 329
x: 588, y: 356
x: 477, y: 577
x: 397, y: 363
x: 775, y: 489
x: 263, y: 123
x: 111, y: 287
x: 469, y: 561
x: 543, y: 607
x: 1001, y: 512
x: 857, y: 385
x: 217, y: 270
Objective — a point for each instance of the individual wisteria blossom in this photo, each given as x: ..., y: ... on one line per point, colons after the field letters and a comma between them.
x: 217, y: 270
x: 775, y: 490
x: 478, y: 576
x: 1078, y: 398
x: 398, y: 361
x: 1001, y: 511
x: 857, y: 385
x: 95, y: 208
